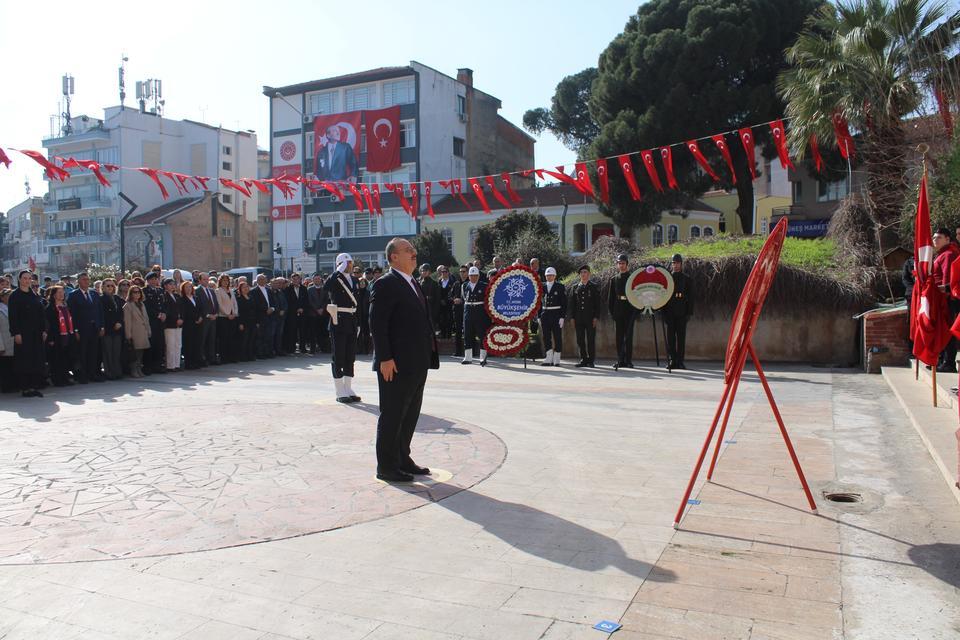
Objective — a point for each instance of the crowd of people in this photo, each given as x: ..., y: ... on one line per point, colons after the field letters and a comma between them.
x: 946, y: 277
x: 78, y: 331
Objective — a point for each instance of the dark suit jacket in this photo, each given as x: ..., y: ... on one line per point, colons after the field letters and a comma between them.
x: 191, y: 312
x: 344, y: 163
x: 295, y: 302
x: 87, y: 315
x: 171, y: 307
x: 112, y: 314
x: 261, y: 304
x: 208, y: 305
x: 401, y: 327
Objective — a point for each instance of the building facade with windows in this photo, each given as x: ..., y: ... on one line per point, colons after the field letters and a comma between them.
x: 448, y: 129
x: 25, y: 238
x: 264, y: 222
x: 83, y: 217
x: 576, y: 221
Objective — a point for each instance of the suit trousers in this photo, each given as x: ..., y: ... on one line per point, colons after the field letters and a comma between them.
x: 586, y: 340
x: 474, y: 332
x: 226, y: 339
x: 265, y: 335
x: 676, y: 339
x: 112, y: 366
x: 458, y: 329
x: 552, y: 333
x: 246, y: 343
x: 400, y: 401
x: 343, y: 339
x: 88, y: 354
x: 208, y: 340
x: 624, y: 336
x: 172, y: 339
x: 153, y: 358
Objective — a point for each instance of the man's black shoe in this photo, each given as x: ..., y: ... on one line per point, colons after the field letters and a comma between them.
x: 354, y: 398
x: 394, y: 476
x: 582, y: 363
x: 627, y: 365
x: 590, y: 364
x: 680, y: 366
x: 344, y: 399
x: 412, y: 468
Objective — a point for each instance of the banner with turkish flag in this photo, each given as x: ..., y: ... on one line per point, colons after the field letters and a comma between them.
x: 667, y: 156
x: 701, y: 159
x: 627, y: 167
x: 383, y: 138
x: 604, y: 180
x: 844, y: 139
x: 647, y: 155
x: 721, y: 143
x: 815, y: 153
x: 336, y: 146
x: 780, y: 140
x: 746, y: 139
x: 930, y: 324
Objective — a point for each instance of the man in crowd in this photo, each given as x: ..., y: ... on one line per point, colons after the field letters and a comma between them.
x: 319, y: 338
x: 206, y: 298
x: 552, y: 311
x: 456, y: 306
x: 278, y: 289
x: 153, y: 302
x: 341, y: 295
x: 298, y: 305
x: 947, y: 252
x: 87, y: 313
x: 622, y: 312
x: 265, y: 304
x: 431, y: 292
x: 475, y: 318
x: 445, y: 284
x: 584, y: 309
x: 535, y: 267
x: 676, y: 313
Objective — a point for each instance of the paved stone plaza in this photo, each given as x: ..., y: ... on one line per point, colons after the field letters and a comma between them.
x: 240, y: 503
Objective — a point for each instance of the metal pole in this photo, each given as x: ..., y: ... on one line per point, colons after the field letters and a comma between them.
x: 656, y: 343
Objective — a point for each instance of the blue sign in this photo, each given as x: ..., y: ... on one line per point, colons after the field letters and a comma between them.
x: 807, y: 228
x: 513, y: 295
x: 606, y: 625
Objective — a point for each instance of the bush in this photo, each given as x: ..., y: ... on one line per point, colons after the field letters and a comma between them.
x: 531, y: 243
x: 432, y: 248
x: 506, y: 229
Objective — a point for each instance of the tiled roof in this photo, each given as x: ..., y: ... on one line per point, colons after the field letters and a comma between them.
x: 165, y: 210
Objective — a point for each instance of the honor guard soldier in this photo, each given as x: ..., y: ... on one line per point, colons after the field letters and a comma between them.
x: 676, y: 313
x: 584, y: 308
x: 340, y: 291
x: 623, y: 313
x: 475, y: 318
x: 456, y: 301
x: 552, y: 311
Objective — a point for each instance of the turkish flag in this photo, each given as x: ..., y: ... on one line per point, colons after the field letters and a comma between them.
x: 53, y: 171
x: 502, y: 199
x: 667, y: 156
x: 383, y: 138
x: 701, y: 160
x: 357, y: 196
x: 510, y: 192
x: 932, y: 326
x: 478, y: 191
x: 651, y: 169
x: 583, y: 178
x: 414, y: 199
x: 375, y: 189
x: 815, y: 152
x: 721, y: 143
x: 152, y: 174
x: 92, y: 165
x: 604, y: 180
x: 844, y: 139
x: 627, y: 167
x: 367, y: 197
x: 247, y: 182
x: 746, y: 138
x: 780, y: 139
x: 428, y: 191
x: 332, y: 160
x: 4, y: 159
x: 227, y: 182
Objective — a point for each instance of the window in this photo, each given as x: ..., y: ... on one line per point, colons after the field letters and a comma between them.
x: 408, y: 134
x: 797, y: 191
x: 228, y: 264
x: 657, y: 237
x: 763, y: 226
x: 139, y: 247
x: 358, y: 98
x: 458, y: 147
x: 579, y: 237
x: 362, y: 225
x: 227, y: 166
x: 448, y: 238
x: 226, y: 232
x: 322, y: 103
x: 830, y: 191
x: 694, y: 232
x: 473, y: 240
x: 226, y: 150
x: 259, y: 246
x: 673, y: 233
x: 707, y: 232
x: 461, y: 105
x: 227, y: 198
x: 107, y: 156
x: 399, y: 92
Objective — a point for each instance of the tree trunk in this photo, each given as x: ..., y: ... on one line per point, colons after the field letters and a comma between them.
x: 745, y: 203
x: 884, y: 156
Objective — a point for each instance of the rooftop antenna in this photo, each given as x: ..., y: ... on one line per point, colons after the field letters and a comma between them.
x: 150, y: 90
x: 67, y: 92
x: 123, y: 84
x: 26, y: 184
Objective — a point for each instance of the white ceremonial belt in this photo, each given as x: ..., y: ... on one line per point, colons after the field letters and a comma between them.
x: 472, y: 303
x: 551, y: 308
x: 346, y: 309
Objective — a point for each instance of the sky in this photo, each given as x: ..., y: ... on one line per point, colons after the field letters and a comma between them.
x: 215, y: 57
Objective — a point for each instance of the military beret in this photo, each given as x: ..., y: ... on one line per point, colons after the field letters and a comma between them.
x: 677, y: 257
x: 623, y: 258
x: 583, y: 267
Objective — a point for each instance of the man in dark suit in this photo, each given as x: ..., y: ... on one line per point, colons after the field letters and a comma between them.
x: 87, y: 313
x: 405, y: 348
x: 209, y: 308
x: 676, y: 313
x: 431, y: 292
x: 342, y: 305
x: 335, y: 160
x: 298, y: 307
x: 445, y: 284
x: 153, y: 302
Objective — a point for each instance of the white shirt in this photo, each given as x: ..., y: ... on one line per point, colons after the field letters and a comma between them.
x: 410, y: 281
x: 266, y: 296
x: 549, y: 286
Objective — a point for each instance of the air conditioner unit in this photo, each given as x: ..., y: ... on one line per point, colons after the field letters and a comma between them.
x: 307, y: 245
x: 307, y: 200
x: 332, y: 244
x: 334, y: 198
x: 307, y: 119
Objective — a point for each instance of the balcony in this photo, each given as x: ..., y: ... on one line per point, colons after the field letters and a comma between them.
x: 61, y: 239
x: 89, y: 135
x: 76, y: 204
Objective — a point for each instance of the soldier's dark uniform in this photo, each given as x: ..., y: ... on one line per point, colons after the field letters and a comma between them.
x: 584, y: 307
x: 154, y: 356
x: 456, y: 293
x: 676, y: 313
x: 623, y: 314
x: 343, y: 334
x: 553, y: 308
x: 445, y: 300
x: 475, y: 321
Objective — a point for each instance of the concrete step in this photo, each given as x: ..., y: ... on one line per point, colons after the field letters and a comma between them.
x: 937, y: 426
x: 944, y: 382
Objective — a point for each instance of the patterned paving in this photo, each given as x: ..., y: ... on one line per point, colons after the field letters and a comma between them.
x: 141, y: 482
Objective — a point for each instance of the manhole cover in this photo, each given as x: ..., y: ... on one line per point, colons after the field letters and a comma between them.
x: 843, y: 497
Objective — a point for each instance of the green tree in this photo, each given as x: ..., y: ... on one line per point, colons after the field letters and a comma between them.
x: 568, y: 117
x: 873, y: 62
x: 492, y: 236
x: 433, y: 249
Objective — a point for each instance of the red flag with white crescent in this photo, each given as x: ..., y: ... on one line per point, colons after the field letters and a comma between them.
x: 583, y: 178
x: 780, y: 140
x: 667, y: 156
x: 383, y: 138
x: 746, y: 139
x: 815, y: 152
x: 181, y: 187
x: 844, y: 139
x: 478, y: 191
x: 91, y: 165
x: 647, y: 156
x: 375, y: 190
x: 428, y: 191
x: 627, y: 167
x: 53, y: 171
x: 152, y: 174
x: 367, y: 197
x: 357, y: 196
x: 227, y: 182
x: 604, y: 180
x: 259, y: 185
x: 502, y: 199
x: 514, y: 196
x: 4, y: 159
x: 701, y: 159
x: 721, y: 143
x: 414, y: 199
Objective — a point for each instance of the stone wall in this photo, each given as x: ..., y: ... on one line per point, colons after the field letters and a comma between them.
x: 885, y: 339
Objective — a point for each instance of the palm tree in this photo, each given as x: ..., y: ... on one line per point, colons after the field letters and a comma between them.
x: 873, y: 62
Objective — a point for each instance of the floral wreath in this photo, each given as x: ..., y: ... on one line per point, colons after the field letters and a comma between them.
x: 505, y: 340
x: 498, y: 280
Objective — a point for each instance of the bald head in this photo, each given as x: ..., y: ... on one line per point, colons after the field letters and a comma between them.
x: 402, y: 255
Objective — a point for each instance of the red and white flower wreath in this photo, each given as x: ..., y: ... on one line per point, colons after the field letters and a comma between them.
x: 501, y: 277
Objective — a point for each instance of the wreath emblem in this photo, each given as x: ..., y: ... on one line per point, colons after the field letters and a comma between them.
x: 505, y: 340
x: 517, y: 282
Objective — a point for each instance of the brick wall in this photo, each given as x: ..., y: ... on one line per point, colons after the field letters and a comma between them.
x: 885, y: 339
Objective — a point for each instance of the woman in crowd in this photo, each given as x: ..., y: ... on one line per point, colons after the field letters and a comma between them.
x: 126, y: 357
x: 247, y: 327
x: 136, y: 328
x: 6, y: 345
x: 112, y: 340
x: 27, y: 327
x: 192, y: 316
x: 172, y: 326
x: 123, y: 288
x: 177, y: 279
x: 62, y: 337
x: 226, y: 320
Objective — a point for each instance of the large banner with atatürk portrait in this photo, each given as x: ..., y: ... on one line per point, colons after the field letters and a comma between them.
x: 336, y: 143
